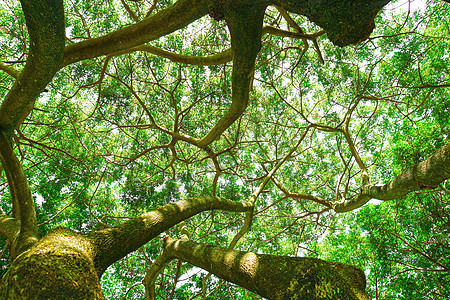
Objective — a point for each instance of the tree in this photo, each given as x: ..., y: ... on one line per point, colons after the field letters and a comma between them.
x: 118, y: 122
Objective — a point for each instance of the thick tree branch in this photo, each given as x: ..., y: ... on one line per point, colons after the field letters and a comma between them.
x: 18, y: 185
x: 273, y: 277
x: 45, y: 24
x: 160, y: 262
x: 425, y: 175
x: 14, y: 199
x: 244, y: 20
x: 15, y: 73
x: 9, y: 70
x: 59, y: 266
x: 245, y: 24
x: 150, y: 277
x: 346, y: 22
x: 114, y: 243
x: 9, y: 227
x: 214, y: 59
x: 175, y: 17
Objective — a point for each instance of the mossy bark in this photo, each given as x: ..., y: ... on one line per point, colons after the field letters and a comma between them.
x: 59, y: 266
x: 45, y: 24
x: 272, y: 276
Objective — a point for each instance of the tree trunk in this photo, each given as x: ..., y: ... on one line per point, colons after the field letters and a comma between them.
x: 274, y: 277
x: 59, y: 266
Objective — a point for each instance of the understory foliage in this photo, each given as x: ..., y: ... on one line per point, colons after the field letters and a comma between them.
x: 99, y: 146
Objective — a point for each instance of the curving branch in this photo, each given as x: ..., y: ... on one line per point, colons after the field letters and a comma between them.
x: 245, y: 23
x: 12, y: 190
x: 209, y: 60
x: 425, y: 175
x: 9, y: 70
x: 271, y: 276
x: 9, y: 227
x: 160, y: 262
x: 20, y: 189
x: 292, y: 195
x: 244, y: 20
x: 45, y: 24
x: 346, y: 23
x: 345, y: 131
x: 175, y: 17
x: 214, y: 59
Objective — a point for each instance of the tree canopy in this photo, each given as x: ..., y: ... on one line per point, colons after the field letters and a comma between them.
x: 163, y: 140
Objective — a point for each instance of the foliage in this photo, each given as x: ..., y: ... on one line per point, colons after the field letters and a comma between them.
x: 99, y: 147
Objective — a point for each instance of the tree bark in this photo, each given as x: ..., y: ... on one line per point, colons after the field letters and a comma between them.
x: 45, y: 24
x: 424, y: 175
x: 347, y: 22
x: 59, y: 266
x: 271, y: 276
x: 9, y: 227
x: 175, y: 17
x: 22, y: 200
x: 67, y: 265
x: 245, y: 23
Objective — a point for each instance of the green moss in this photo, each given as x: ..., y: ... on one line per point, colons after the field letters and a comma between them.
x: 58, y: 267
